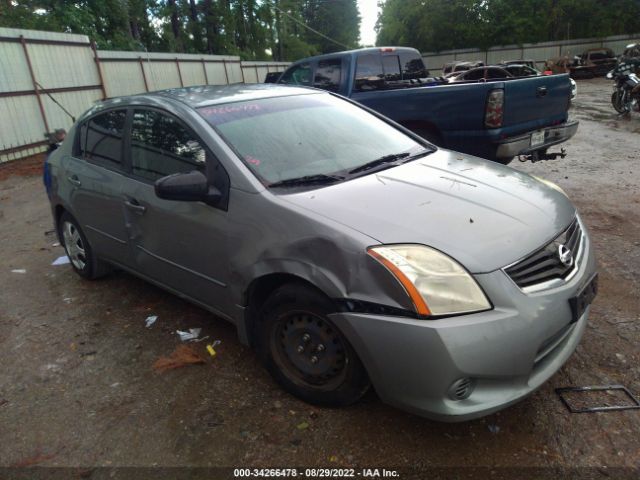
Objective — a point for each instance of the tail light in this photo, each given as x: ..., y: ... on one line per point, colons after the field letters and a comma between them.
x: 494, y: 110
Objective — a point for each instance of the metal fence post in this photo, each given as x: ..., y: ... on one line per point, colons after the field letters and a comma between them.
x: 204, y: 69
x: 34, y: 82
x: 144, y: 75
x: 179, y: 72
x: 97, y: 60
x: 226, y: 74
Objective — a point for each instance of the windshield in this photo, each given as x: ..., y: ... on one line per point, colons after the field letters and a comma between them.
x: 310, y: 135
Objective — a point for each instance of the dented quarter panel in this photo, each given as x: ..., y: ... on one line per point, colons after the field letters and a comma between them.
x: 269, y: 235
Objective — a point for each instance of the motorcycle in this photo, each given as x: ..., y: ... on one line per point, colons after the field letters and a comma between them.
x: 626, y: 93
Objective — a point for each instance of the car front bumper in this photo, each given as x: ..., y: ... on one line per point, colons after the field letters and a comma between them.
x: 521, y: 144
x: 507, y: 352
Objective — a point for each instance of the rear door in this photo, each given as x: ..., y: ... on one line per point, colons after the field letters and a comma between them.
x: 95, y: 175
x: 536, y: 102
x: 182, y: 245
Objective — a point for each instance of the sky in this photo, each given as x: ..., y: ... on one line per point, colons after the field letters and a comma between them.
x: 369, y: 15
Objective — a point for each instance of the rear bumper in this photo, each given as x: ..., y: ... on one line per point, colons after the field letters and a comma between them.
x: 521, y: 145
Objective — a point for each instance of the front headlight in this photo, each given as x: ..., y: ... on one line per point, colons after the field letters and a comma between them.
x: 437, y: 284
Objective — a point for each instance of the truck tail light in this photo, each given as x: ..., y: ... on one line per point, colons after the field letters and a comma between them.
x: 494, y: 110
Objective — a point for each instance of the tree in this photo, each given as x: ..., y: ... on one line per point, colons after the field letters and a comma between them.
x: 436, y: 25
x: 252, y: 29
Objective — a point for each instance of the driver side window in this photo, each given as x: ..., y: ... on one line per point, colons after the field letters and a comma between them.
x: 161, y: 146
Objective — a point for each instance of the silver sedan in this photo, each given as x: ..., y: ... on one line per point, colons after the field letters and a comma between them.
x: 348, y: 251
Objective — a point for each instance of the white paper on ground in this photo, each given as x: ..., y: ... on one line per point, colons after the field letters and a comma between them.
x: 63, y: 260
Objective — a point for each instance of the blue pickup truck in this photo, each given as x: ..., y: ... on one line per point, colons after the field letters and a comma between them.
x: 498, y: 120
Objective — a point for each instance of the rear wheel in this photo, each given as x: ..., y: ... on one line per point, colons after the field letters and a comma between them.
x: 305, y: 352
x: 82, y: 258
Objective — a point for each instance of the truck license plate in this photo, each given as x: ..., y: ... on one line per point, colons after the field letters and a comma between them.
x: 537, y: 138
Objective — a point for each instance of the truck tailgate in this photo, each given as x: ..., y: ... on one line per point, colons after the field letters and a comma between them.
x: 535, y: 102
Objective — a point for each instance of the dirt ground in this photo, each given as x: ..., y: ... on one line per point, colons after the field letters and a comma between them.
x: 77, y: 387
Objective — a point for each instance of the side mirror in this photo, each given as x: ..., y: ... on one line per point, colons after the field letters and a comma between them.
x: 187, y: 187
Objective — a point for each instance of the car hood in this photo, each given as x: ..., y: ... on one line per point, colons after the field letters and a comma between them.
x: 481, y: 213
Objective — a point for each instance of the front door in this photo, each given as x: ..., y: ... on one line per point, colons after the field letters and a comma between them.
x: 182, y: 245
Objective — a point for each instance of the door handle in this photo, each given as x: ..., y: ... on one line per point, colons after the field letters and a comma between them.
x: 541, y: 91
x: 74, y: 180
x: 135, y: 206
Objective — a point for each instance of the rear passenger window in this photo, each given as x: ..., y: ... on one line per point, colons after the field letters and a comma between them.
x: 328, y: 74
x: 369, y: 75
x: 101, y: 138
x: 161, y: 146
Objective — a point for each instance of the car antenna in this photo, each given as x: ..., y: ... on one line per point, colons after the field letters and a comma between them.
x: 55, y: 101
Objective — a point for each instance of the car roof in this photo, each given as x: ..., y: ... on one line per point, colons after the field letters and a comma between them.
x: 203, y: 95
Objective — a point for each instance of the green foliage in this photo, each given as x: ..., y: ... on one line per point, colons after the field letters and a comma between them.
x: 252, y: 29
x: 436, y: 25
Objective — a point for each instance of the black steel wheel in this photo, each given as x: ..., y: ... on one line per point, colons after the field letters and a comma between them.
x: 77, y: 248
x: 305, y: 352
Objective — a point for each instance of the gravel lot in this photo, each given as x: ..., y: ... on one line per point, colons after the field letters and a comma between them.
x: 77, y: 387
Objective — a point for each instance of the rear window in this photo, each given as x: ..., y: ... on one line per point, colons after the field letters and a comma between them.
x: 391, y: 66
x: 294, y: 136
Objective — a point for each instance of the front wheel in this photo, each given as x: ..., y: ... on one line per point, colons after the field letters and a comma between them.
x: 618, y: 101
x: 305, y: 352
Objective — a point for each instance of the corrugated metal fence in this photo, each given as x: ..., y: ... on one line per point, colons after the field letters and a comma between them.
x: 38, y: 69
x: 539, y: 52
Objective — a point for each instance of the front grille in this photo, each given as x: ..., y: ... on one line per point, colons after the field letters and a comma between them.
x: 544, y: 264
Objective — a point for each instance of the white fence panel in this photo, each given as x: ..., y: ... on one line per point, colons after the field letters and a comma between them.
x: 216, y: 73
x: 21, y: 122
x: 56, y: 66
x: 65, y: 66
x: 14, y: 72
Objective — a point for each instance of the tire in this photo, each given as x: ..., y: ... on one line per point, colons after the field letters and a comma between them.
x: 77, y: 248
x: 305, y: 352
x: 617, y: 103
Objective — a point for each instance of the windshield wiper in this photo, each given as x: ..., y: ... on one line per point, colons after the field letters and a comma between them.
x: 307, y: 180
x: 394, y: 157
